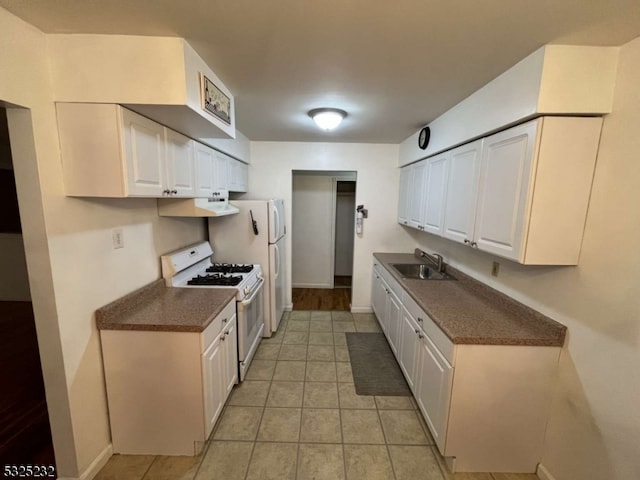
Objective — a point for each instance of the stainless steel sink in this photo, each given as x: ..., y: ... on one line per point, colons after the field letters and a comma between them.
x: 420, y: 271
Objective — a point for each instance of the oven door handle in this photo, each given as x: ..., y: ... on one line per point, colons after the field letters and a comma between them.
x: 256, y: 291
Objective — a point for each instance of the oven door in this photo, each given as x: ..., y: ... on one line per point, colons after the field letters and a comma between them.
x: 250, y: 326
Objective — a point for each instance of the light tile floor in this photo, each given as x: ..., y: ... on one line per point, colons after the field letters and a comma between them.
x: 297, y: 416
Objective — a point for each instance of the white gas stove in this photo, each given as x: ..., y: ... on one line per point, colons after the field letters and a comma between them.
x: 192, y: 267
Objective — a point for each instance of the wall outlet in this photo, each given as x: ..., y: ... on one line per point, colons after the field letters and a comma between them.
x: 495, y: 269
x: 118, y: 238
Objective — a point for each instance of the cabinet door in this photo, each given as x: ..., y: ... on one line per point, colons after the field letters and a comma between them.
x: 403, y: 195
x: 409, y: 348
x: 435, y: 193
x: 221, y: 171
x: 204, y: 159
x: 462, y: 192
x: 416, y: 194
x: 238, y: 175
x: 434, y: 389
x: 394, y: 313
x: 180, y: 164
x: 212, y: 372
x: 378, y: 298
x: 502, y: 210
x: 230, y: 357
x: 144, y: 151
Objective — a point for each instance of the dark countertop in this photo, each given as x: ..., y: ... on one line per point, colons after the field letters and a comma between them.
x: 470, y: 312
x: 157, y: 307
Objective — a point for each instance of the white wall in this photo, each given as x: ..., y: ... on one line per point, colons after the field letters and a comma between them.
x: 377, y: 173
x: 594, y: 429
x: 312, y: 231
x: 72, y: 267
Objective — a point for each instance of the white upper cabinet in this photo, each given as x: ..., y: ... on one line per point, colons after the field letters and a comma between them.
x: 534, y: 188
x: 462, y: 190
x: 109, y: 151
x: 144, y: 155
x: 435, y: 193
x: 238, y: 176
x: 204, y: 165
x: 520, y: 194
x: 416, y: 194
x: 403, y: 200
x: 505, y: 175
x: 221, y: 171
x: 180, y: 164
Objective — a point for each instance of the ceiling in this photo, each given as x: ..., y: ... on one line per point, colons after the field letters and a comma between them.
x: 393, y: 66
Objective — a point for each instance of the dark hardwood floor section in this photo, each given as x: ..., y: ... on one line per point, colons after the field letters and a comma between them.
x: 25, y: 434
x: 321, y: 299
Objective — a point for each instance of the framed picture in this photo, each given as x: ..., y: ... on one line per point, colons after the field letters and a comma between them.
x: 214, y: 100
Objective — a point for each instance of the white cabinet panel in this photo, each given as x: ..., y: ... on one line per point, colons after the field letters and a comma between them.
x: 416, y: 194
x: 230, y: 339
x: 394, y: 313
x: 434, y: 389
x: 180, y: 164
x: 212, y: 373
x: 221, y: 171
x: 462, y: 192
x: 403, y: 200
x: 204, y: 162
x: 501, y: 214
x: 409, y: 348
x: 144, y: 151
x: 435, y: 193
x: 238, y: 175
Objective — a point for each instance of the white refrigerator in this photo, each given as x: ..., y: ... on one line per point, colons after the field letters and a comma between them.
x: 235, y: 240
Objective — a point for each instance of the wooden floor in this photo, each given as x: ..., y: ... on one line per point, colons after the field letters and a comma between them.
x: 321, y: 299
x: 25, y: 435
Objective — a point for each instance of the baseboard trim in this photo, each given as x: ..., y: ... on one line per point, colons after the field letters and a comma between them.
x: 93, y: 469
x: 361, y: 310
x: 288, y: 307
x: 312, y: 285
x: 543, y: 473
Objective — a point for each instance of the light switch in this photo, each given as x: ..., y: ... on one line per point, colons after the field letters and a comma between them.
x: 118, y: 238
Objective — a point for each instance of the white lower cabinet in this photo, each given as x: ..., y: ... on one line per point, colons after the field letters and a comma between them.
x: 433, y: 388
x: 409, y: 349
x: 486, y: 406
x: 166, y: 390
x: 220, y: 371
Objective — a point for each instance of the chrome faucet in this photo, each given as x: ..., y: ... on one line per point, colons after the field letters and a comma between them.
x: 434, y: 258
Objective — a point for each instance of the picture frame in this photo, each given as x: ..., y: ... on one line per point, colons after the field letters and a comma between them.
x: 214, y: 101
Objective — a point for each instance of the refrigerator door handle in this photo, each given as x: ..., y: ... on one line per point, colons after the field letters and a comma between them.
x: 276, y: 223
x: 277, y: 252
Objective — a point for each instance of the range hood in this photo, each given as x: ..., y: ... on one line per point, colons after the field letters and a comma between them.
x: 215, y: 206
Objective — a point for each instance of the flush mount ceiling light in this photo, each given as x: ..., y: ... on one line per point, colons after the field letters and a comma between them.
x: 327, y: 118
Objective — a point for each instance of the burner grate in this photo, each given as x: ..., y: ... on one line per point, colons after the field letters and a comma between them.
x: 216, y: 279
x: 230, y: 268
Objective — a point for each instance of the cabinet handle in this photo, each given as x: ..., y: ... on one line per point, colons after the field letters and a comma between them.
x: 474, y: 244
x: 224, y: 320
x: 420, y: 320
x: 227, y: 333
x: 166, y: 191
x: 417, y: 331
x: 222, y: 339
x: 405, y: 222
x: 466, y: 240
x: 174, y: 191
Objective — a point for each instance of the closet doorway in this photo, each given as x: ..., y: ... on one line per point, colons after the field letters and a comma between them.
x: 323, y: 216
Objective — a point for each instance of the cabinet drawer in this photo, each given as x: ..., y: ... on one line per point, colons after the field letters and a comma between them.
x: 215, y: 327
x: 444, y: 345
x: 391, y: 282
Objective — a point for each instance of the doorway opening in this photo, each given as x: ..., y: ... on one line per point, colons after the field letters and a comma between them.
x: 322, y: 237
x: 25, y: 432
